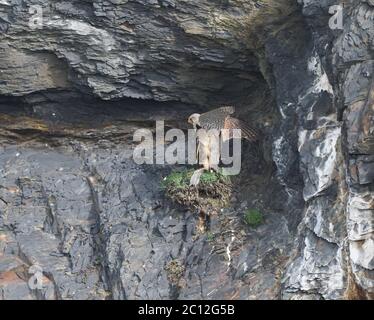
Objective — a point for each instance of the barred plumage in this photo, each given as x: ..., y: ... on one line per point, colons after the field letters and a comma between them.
x: 221, y: 119
x: 218, y: 119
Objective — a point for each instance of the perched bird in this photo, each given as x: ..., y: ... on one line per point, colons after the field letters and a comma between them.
x: 221, y: 119
x: 218, y: 119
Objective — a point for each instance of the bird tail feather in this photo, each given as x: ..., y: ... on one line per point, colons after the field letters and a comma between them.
x: 249, y: 133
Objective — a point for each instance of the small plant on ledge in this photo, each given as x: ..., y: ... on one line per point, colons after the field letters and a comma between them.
x: 253, y: 218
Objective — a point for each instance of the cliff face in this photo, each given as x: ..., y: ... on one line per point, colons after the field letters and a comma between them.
x: 162, y: 50
x: 76, y: 84
x: 335, y: 148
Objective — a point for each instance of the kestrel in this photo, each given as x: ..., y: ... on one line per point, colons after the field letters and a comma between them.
x: 217, y: 119
x: 221, y: 119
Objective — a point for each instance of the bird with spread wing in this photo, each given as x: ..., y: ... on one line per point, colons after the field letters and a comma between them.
x: 217, y: 119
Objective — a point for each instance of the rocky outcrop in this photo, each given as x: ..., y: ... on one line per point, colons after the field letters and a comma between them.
x: 162, y: 50
x: 79, y: 80
x: 336, y: 261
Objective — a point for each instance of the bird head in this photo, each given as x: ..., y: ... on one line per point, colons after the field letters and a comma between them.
x: 194, y: 119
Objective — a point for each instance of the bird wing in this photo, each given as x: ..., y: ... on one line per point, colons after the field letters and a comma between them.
x: 215, y: 119
x: 248, y: 132
x: 226, y: 110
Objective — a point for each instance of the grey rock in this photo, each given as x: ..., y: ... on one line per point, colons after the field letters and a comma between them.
x: 73, y: 203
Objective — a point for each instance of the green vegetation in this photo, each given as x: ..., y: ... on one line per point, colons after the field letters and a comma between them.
x: 181, y: 179
x: 210, y: 177
x: 177, y: 179
x: 253, y: 218
x: 213, y: 191
x: 210, y: 236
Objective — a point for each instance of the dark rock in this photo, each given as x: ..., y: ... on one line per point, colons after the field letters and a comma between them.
x: 74, y: 205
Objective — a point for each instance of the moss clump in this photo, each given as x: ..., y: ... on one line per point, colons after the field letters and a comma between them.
x: 177, y: 180
x: 210, y: 236
x: 253, y: 218
x: 213, y: 191
x: 210, y: 177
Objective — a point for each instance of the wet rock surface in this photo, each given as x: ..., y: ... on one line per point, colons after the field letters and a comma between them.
x: 73, y: 201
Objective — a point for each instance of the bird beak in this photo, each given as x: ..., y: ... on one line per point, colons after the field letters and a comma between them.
x: 193, y: 123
